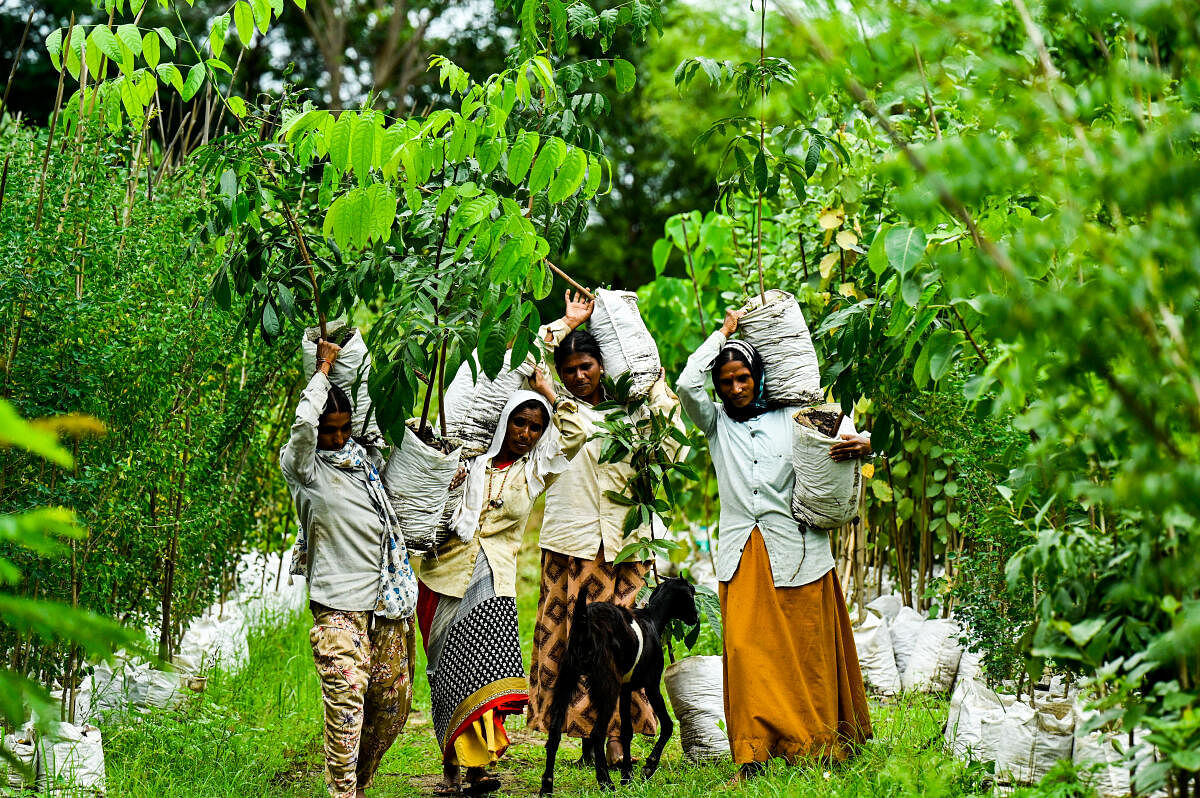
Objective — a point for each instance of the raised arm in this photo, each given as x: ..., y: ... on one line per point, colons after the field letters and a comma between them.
x: 298, y: 456
x: 693, y: 394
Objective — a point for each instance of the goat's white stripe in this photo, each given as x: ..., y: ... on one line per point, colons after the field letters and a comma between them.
x: 637, y: 632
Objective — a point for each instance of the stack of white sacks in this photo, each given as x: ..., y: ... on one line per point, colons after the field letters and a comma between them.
x: 70, y: 760
x: 900, y: 650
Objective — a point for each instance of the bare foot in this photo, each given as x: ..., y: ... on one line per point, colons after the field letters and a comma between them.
x: 451, y: 783
x: 747, y: 772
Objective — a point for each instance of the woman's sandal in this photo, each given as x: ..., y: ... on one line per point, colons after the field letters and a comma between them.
x: 482, y: 785
x: 443, y: 790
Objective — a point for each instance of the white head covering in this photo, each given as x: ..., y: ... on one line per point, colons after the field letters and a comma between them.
x: 545, y: 458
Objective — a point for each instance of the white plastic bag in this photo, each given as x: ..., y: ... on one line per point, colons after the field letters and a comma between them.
x: 71, y: 761
x: 625, y: 343
x: 149, y: 688
x: 905, y: 628
x: 695, y: 686
x: 418, y: 481
x: 826, y: 492
x: 933, y: 661
x: 352, y: 368
x: 875, y: 657
x: 780, y: 334
x: 216, y: 639
x: 473, y: 405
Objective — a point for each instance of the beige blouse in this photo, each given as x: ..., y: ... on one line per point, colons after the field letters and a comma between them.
x: 500, y: 528
x: 579, y: 517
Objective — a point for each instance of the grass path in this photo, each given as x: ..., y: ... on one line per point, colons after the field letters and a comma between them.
x: 258, y: 734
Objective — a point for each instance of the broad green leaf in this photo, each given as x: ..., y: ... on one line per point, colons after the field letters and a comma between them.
x: 150, y: 49
x: 521, y: 156
x: 339, y: 140
x: 474, y: 211
x: 548, y: 160
x: 168, y: 38
x: 626, y: 75
x: 660, y: 254
x: 570, y: 176
x: 103, y: 38
x: 132, y: 38
x: 904, y: 246
x: 362, y: 148
x: 54, y: 47
x: 216, y: 36
x: 877, y: 255
x: 169, y: 75
x: 238, y: 106
x: 270, y: 322
x: 262, y: 14
x: 195, y: 79
x: 243, y: 19
x: 760, y: 171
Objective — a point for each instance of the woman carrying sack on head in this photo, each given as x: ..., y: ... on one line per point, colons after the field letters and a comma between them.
x: 793, y: 687
x: 582, y: 533
x: 362, y: 591
x: 467, y: 608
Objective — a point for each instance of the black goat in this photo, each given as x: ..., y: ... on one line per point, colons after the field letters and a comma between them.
x: 619, y: 651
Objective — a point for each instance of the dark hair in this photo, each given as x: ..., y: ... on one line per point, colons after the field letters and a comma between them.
x: 532, y: 404
x: 336, y: 401
x: 577, y: 342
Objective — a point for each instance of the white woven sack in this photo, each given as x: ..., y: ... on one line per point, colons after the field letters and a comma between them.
x: 826, y: 492
x: 780, y: 334
x: 933, y: 661
x: 888, y: 606
x: 20, y: 746
x: 268, y: 593
x: 418, y: 481
x: 71, y: 761
x: 1028, y: 742
x: 905, y: 628
x: 149, y: 688
x: 1105, y: 766
x: 974, y: 706
x: 473, y: 405
x: 352, y: 368
x: 695, y: 686
x: 874, y: 644
x: 216, y: 639
x: 625, y: 342
x: 84, y: 712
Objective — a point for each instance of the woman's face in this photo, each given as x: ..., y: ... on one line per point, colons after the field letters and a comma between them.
x: 525, y: 428
x: 581, y: 374
x: 333, y: 430
x: 735, y: 383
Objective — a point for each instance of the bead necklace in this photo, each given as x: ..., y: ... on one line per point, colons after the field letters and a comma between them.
x: 496, y: 502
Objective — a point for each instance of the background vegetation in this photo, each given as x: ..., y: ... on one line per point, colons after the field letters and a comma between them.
x: 988, y: 211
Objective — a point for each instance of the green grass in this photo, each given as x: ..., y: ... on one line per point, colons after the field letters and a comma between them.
x: 258, y: 734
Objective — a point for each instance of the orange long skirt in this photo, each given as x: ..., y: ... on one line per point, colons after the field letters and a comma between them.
x: 793, y: 687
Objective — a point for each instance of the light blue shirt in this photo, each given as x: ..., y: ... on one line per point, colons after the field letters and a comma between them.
x: 753, y: 460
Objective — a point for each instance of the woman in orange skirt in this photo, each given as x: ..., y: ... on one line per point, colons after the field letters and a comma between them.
x: 793, y: 687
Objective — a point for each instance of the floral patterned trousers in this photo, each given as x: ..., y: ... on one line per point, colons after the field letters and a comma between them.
x: 366, y: 669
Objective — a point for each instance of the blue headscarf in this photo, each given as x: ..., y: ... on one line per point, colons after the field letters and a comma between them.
x: 742, y: 352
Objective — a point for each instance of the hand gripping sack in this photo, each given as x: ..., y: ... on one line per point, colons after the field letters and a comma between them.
x: 778, y: 331
x: 696, y: 688
x: 418, y: 482
x: 625, y: 343
x: 826, y: 492
x: 351, y: 372
x: 474, y: 403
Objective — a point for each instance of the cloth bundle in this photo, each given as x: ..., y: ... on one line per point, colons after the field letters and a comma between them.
x: 351, y: 372
x: 473, y: 404
x: 424, y: 474
x: 625, y: 343
x: 826, y: 492
x: 778, y: 331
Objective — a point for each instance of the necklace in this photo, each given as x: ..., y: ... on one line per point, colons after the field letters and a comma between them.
x: 495, y: 501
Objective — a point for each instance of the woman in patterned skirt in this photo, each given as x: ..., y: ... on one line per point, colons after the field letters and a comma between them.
x: 467, y: 606
x: 582, y: 534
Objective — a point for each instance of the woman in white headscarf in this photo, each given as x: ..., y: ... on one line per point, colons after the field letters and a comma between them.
x: 467, y: 606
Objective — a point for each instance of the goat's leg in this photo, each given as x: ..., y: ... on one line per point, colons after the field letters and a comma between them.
x: 604, y: 698
x: 626, y: 735
x: 664, y: 719
x: 563, y: 691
